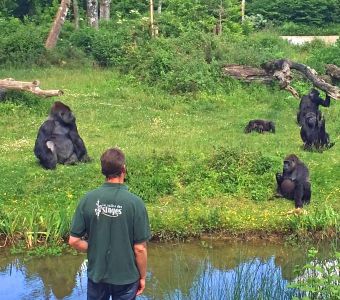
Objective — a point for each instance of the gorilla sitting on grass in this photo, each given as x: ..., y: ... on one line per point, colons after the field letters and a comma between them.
x: 58, y: 140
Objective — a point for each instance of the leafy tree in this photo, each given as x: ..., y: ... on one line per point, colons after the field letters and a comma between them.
x: 310, y: 12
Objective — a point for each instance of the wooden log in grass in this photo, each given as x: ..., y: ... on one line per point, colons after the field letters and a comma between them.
x: 32, y: 87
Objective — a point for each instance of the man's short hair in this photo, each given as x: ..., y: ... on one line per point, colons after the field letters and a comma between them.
x: 113, y: 162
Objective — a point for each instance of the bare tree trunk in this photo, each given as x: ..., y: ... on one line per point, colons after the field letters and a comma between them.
x: 243, y: 8
x: 220, y: 13
x: 92, y: 13
x: 159, y: 9
x: 152, y: 24
x: 33, y: 87
x: 57, y: 24
x: 104, y: 9
x: 76, y: 13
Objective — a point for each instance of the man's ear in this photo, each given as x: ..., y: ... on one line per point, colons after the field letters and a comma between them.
x: 124, y: 170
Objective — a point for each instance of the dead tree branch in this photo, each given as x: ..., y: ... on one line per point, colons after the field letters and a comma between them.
x: 280, y: 70
x: 33, y: 87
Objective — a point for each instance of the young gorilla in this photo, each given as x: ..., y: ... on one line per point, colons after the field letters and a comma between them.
x: 260, y: 126
x: 293, y: 183
x: 58, y: 140
x: 313, y: 132
x: 310, y: 103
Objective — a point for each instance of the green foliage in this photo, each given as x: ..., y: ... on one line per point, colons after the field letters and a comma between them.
x: 320, y: 55
x: 325, y: 216
x: 309, y: 12
x: 319, y: 279
x: 257, y: 21
x: 19, y: 43
x: 291, y: 28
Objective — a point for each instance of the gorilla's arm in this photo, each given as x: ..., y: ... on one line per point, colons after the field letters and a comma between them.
x: 44, y: 134
x: 78, y: 143
x: 324, y: 103
x: 298, y: 194
x: 44, y: 148
x: 300, y: 176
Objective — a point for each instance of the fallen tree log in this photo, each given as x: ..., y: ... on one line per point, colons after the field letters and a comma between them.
x: 280, y: 70
x: 33, y: 87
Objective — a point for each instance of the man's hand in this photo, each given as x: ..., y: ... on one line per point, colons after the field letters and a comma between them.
x: 78, y: 244
x: 141, y: 287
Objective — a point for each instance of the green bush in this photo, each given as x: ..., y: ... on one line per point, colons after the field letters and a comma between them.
x: 20, y: 43
x: 309, y: 12
x: 318, y: 279
x: 322, y: 55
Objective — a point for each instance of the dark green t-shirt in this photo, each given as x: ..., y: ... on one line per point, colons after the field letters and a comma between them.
x: 114, y: 220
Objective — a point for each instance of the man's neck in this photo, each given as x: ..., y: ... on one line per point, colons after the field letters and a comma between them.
x: 116, y: 180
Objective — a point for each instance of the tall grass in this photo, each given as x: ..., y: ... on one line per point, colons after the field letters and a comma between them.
x: 253, y: 279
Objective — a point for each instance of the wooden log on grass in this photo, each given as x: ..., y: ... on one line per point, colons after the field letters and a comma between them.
x: 32, y: 87
x: 280, y: 70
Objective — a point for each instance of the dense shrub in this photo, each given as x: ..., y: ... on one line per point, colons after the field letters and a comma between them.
x: 20, y: 43
x: 291, y: 28
x: 309, y: 12
x: 322, y: 55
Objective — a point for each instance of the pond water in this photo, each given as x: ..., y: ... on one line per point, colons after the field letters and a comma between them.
x: 205, y: 269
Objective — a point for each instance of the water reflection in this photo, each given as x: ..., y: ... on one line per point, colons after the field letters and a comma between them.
x: 199, y: 270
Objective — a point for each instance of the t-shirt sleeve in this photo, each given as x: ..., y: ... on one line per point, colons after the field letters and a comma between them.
x: 141, y: 225
x: 78, y: 222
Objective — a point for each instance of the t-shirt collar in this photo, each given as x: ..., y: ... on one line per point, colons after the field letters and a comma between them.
x: 115, y: 185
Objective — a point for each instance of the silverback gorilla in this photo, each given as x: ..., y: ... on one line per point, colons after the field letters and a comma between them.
x: 58, y: 140
x: 293, y: 183
x: 260, y: 126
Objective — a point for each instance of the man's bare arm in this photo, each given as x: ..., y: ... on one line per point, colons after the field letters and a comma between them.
x: 140, y: 251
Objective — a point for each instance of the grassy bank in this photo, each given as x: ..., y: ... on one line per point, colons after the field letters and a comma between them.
x: 188, y: 158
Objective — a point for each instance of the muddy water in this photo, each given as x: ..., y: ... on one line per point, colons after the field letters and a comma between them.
x: 197, y: 270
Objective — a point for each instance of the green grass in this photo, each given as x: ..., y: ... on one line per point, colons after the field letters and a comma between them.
x: 188, y: 157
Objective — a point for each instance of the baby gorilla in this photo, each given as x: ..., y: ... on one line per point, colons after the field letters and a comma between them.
x: 260, y: 126
x: 293, y: 183
x: 58, y: 140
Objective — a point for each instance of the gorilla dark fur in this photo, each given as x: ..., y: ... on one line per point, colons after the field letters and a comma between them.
x: 260, y: 126
x: 58, y: 140
x: 293, y: 183
x: 313, y: 132
x: 310, y: 103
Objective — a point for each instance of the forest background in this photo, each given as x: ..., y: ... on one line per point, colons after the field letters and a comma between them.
x: 164, y: 99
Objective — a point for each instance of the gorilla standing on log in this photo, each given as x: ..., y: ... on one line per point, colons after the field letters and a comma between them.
x: 58, y: 140
x: 293, y: 183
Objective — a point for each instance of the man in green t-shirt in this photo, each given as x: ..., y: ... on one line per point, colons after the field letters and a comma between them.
x: 117, y: 228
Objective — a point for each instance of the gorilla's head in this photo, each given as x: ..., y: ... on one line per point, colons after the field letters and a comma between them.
x: 62, y: 113
x: 314, y: 94
x: 289, y: 163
